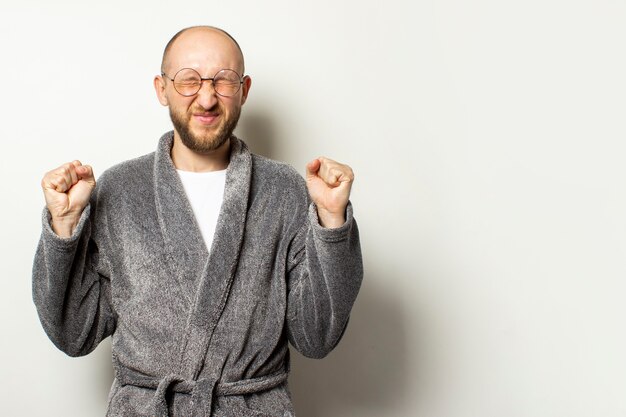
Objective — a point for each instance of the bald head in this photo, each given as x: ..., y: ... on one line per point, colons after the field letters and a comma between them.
x: 199, y: 34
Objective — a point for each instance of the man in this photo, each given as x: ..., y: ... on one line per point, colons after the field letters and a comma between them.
x: 200, y: 260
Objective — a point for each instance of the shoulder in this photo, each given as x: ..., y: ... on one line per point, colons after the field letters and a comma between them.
x: 276, y: 172
x: 282, y: 182
x: 126, y: 184
x: 132, y: 172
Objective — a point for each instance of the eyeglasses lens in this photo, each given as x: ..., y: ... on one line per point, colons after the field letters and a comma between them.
x: 188, y: 82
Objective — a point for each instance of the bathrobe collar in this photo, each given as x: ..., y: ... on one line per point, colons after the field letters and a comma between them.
x: 205, y: 278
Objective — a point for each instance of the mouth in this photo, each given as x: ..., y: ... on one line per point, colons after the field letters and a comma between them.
x: 205, y: 118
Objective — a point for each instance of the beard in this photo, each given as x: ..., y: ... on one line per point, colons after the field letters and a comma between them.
x: 204, y: 142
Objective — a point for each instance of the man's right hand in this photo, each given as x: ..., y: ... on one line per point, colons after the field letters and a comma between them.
x: 67, y: 190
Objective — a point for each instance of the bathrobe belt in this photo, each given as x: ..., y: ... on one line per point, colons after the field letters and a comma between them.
x: 202, y: 390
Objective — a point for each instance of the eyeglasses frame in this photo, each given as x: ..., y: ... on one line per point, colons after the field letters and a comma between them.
x: 241, y: 78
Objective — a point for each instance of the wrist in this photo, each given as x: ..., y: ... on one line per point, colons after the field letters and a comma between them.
x: 331, y: 220
x: 65, y: 225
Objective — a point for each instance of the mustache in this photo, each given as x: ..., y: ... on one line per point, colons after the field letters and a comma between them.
x: 202, y: 111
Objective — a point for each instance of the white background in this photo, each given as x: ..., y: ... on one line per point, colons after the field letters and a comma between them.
x: 487, y: 139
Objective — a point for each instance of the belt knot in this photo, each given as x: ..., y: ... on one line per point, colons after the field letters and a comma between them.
x: 201, y: 390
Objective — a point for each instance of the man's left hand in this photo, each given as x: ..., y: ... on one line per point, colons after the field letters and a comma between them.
x: 329, y: 184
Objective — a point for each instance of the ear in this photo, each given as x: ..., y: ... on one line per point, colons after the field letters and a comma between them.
x: 159, y: 87
x: 245, y: 88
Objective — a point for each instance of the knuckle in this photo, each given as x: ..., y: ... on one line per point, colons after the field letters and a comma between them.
x: 53, y: 185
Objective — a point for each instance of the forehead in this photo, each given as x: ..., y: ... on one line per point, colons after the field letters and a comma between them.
x: 204, y: 50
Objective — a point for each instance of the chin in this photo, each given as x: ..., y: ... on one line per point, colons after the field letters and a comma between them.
x: 207, y: 144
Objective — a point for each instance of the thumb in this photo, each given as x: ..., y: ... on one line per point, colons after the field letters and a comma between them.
x: 85, y: 173
x: 312, y: 168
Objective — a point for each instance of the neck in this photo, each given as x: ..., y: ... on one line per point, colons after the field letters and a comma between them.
x: 187, y: 160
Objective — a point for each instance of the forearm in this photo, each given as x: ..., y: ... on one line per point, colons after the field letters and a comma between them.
x: 67, y: 290
x: 325, y: 285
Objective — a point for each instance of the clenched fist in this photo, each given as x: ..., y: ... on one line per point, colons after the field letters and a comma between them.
x: 67, y: 190
x: 329, y: 184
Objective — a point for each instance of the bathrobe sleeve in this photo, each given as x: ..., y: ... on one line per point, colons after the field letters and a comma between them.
x: 71, y: 287
x: 325, y: 270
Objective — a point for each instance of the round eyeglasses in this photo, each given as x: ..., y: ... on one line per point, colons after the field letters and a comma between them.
x: 188, y: 82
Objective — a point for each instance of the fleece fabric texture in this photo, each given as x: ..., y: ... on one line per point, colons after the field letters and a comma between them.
x: 197, y: 332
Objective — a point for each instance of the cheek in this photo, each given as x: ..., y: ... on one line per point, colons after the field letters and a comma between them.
x: 180, y: 105
x: 231, y: 105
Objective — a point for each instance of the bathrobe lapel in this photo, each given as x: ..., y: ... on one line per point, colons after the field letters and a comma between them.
x: 205, y: 278
x: 185, y: 251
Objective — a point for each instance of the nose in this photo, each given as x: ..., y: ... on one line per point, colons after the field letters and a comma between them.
x: 206, y: 96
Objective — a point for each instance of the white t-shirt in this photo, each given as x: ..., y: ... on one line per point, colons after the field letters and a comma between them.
x: 205, y: 191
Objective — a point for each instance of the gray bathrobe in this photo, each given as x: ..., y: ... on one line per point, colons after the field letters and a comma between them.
x: 197, y: 333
